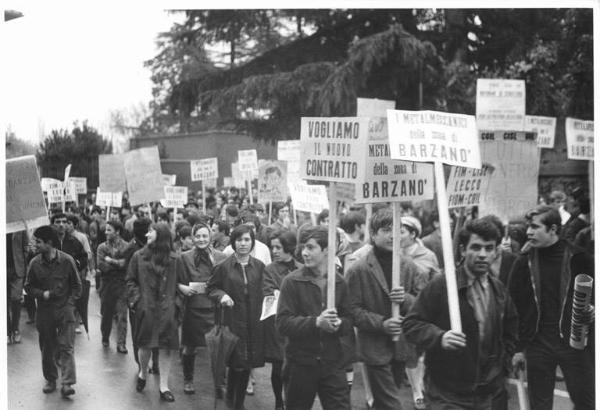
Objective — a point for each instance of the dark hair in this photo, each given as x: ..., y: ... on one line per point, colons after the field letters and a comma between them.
x: 273, y: 170
x: 323, y: 215
x: 349, y: 221
x: 223, y: 227
x: 199, y: 226
x: 319, y: 233
x: 163, y: 245
x: 237, y: 233
x: 73, y: 219
x: 383, y: 218
x: 179, y: 225
x: 184, y: 231
x: 486, y: 229
x: 497, y: 223
x: 246, y: 217
x: 97, y: 209
x: 287, y: 239
x: 117, y: 226
x: 548, y: 216
x: 58, y: 215
x: 47, y: 233
x: 140, y: 228
x: 232, y: 210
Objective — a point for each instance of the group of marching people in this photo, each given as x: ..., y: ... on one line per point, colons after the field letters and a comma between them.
x: 173, y: 277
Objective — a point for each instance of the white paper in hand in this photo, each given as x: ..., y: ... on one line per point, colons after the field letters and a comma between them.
x: 269, y: 307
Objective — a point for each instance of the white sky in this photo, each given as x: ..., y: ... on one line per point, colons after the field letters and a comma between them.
x: 75, y: 63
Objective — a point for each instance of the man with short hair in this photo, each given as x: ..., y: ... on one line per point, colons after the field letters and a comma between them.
x: 353, y: 225
x: 68, y: 243
x: 371, y: 297
x: 558, y: 200
x: 466, y: 369
x: 541, y: 285
x: 53, y: 280
x: 313, y: 351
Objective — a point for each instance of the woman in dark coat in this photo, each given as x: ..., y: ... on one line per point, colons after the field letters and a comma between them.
x: 198, y: 317
x: 152, y: 277
x: 237, y: 283
x: 283, y: 244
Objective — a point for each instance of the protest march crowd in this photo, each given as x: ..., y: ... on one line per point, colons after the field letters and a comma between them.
x: 170, y: 273
x: 452, y: 299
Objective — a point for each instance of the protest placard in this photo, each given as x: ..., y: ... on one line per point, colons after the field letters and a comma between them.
x: 272, y: 182
x: 104, y: 198
x: 308, y: 198
x: 204, y: 169
x: 373, y: 107
x: 47, y: 182
x: 112, y: 172
x: 431, y: 136
x: 70, y: 192
x: 79, y: 185
x: 389, y: 180
x: 289, y: 151
x: 345, y: 192
x: 168, y: 179
x: 117, y: 199
x: 544, y: 127
x: 176, y: 196
x: 333, y: 149
x: 467, y: 186
x: 513, y: 186
x: 580, y: 139
x: 56, y: 192
x: 500, y: 104
x: 25, y: 205
x: 142, y: 171
x: 238, y: 178
x: 228, y: 182
x: 248, y: 163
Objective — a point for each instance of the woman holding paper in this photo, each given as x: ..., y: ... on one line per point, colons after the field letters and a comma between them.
x: 198, y: 316
x: 237, y: 283
x: 283, y: 244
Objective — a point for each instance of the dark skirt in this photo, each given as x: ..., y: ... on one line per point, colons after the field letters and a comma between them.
x: 196, y: 322
x: 156, y: 329
x: 274, y: 342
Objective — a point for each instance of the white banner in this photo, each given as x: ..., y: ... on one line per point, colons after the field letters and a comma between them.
x: 177, y: 195
x: 104, y: 199
x: 25, y: 205
x: 333, y: 149
x: 248, y: 163
x: 46, y: 183
x: 238, y: 179
x: 142, y: 171
x: 309, y: 198
x: 56, y: 192
x: 545, y: 127
x: 431, y: 136
x: 500, y: 104
x: 373, y: 107
x: 580, y: 139
x: 204, y: 169
x: 79, y: 185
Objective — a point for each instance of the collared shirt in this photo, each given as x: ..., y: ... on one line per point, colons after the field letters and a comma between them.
x: 116, y: 250
x: 478, y: 295
x: 260, y: 252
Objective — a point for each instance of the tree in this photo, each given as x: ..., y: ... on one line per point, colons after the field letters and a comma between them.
x: 16, y: 147
x: 80, y: 147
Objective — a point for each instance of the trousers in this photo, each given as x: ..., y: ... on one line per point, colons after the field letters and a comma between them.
x: 385, y: 383
x: 113, y: 299
x: 302, y: 383
x: 56, y: 339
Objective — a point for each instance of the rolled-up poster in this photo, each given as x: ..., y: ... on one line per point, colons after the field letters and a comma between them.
x: 582, y: 296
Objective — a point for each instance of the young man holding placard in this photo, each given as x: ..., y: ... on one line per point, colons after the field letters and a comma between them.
x: 371, y: 298
x: 468, y: 369
x: 542, y: 283
x: 313, y: 352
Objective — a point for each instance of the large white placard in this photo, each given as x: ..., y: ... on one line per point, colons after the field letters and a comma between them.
x: 112, y: 172
x: 56, y: 192
x: 467, y: 186
x: 500, y: 104
x: 431, y: 136
x: 389, y: 180
x: 203, y: 169
x: 25, y: 205
x: 513, y: 186
x: 272, y: 182
x: 580, y: 139
x: 373, y: 107
x: 238, y: 179
x: 333, y: 149
x: 248, y: 163
x: 544, y: 127
x: 142, y: 172
x: 309, y: 198
x: 176, y: 196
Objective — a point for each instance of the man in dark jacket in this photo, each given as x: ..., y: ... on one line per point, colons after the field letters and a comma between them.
x: 313, y: 353
x: 68, y: 243
x: 371, y: 297
x: 541, y: 286
x: 52, y: 278
x: 468, y: 369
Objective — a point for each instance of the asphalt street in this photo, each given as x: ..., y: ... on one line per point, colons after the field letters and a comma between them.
x: 106, y: 379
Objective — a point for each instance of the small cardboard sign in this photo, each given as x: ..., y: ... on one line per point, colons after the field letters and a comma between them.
x: 544, y: 127
x: 467, y: 186
x: 580, y: 139
x: 248, y: 163
x: 204, y: 169
x: 309, y: 198
x: 500, y: 104
x: 169, y: 180
x: 272, y: 182
x: 177, y: 196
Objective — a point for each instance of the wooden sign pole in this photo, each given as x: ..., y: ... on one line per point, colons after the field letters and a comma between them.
x: 442, y: 203
x: 396, y: 251
x: 369, y: 209
x: 270, y: 212
x: 203, y: 198
x: 331, y: 247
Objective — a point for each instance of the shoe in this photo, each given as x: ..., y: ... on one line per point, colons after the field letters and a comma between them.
x: 78, y: 330
x: 122, y: 349
x: 188, y: 387
x: 420, y: 404
x: 16, y: 337
x: 67, y: 390
x: 141, y: 383
x: 250, y: 389
x: 167, y: 396
x: 105, y: 343
x: 49, y: 387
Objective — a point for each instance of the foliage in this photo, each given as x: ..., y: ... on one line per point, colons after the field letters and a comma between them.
x: 16, y: 147
x: 80, y: 147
